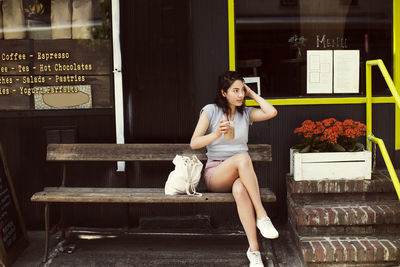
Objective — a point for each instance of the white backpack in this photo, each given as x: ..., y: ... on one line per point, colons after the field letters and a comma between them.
x: 185, y: 177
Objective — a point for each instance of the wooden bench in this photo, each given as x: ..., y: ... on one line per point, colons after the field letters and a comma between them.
x: 127, y: 152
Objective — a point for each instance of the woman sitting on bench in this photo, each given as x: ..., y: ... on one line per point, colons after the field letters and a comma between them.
x: 223, y: 127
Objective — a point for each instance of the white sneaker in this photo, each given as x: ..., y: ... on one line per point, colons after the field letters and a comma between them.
x: 254, y: 258
x: 266, y: 228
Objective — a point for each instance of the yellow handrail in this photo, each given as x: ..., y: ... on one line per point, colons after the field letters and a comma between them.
x: 370, y: 137
x: 390, y: 84
x: 388, y: 162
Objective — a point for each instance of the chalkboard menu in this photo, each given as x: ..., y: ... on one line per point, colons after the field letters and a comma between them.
x: 13, y: 237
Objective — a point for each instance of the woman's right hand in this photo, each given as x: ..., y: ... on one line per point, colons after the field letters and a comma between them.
x: 222, y: 128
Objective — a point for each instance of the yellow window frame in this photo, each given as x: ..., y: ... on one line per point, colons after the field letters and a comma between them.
x: 331, y: 101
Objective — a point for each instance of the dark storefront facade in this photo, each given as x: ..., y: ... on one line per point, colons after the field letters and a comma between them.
x: 172, y: 52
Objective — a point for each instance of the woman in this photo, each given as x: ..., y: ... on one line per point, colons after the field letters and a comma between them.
x: 229, y: 167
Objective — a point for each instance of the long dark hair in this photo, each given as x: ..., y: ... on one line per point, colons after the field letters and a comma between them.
x: 224, y: 82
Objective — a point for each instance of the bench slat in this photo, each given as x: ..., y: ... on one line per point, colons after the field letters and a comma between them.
x: 138, y: 152
x: 132, y: 195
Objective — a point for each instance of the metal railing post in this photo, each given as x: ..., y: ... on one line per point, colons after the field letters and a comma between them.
x: 388, y: 162
x: 370, y: 137
x: 369, y: 103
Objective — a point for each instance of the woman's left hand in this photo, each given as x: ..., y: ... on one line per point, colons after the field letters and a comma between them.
x: 250, y: 93
x: 266, y: 110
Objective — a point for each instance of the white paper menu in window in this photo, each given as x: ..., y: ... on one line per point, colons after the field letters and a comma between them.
x: 346, y: 71
x: 319, y: 71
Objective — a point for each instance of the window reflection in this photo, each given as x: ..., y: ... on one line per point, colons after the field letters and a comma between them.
x: 55, y: 19
x: 272, y: 39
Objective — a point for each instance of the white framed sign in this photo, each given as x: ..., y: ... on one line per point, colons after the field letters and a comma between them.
x: 253, y: 80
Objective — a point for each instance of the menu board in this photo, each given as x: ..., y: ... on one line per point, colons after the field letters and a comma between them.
x: 13, y: 236
x: 55, y: 74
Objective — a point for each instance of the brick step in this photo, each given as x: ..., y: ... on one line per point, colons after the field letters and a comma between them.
x: 345, y: 218
x: 380, y: 187
x: 350, y: 251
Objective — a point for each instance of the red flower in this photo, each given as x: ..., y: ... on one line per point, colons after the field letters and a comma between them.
x: 323, y: 134
x: 354, y: 129
x: 307, y: 129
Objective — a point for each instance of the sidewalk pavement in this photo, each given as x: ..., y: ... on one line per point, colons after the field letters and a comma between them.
x: 156, y: 249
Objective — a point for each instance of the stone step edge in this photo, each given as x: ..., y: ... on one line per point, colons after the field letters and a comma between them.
x: 348, y: 214
x: 353, y: 264
x: 378, y: 184
x: 349, y: 249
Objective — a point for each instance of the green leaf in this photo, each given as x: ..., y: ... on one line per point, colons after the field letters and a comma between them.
x: 359, y: 147
x: 338, y: 148
x: 306, y: 149
x: 298, y: 146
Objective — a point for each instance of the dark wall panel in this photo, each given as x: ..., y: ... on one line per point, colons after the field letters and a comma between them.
x: 210, y: 48
x: 156, y: 51
x: 25, y: 140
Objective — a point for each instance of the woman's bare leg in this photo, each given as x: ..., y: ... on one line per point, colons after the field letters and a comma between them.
x: 246, y: 213
x: 228, y: 171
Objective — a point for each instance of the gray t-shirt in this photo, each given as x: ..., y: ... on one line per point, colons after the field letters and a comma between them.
x: 222, y: 149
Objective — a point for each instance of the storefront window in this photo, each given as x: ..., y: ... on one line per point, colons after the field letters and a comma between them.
x: 55, y: 54
x: 273, y: 37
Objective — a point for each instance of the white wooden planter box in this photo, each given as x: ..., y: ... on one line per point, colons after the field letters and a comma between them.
x: 330, y: 165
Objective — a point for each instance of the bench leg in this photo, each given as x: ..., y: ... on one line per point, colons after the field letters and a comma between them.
x: 47, y: 227
x: 51, y: 231
x: 61, y: 224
